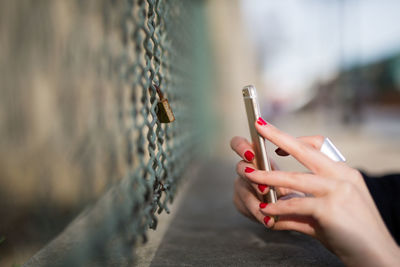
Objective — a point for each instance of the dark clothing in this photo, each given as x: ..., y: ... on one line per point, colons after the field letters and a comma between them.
x: 385, y: 191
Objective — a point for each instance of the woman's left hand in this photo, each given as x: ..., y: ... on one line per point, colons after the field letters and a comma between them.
x: 245, y: 189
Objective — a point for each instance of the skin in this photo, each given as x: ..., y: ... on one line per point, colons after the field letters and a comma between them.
x: 330, y: 203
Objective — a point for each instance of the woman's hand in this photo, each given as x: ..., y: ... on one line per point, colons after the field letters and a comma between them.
x: 340, y: 213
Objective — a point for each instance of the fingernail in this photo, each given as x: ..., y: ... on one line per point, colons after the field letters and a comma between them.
x: 260, y: 121
x: 266, y: 219
x: 249, y: 155
x: 262, y: 187
x: 248, y: 170
x: 279, y: 151
x: 263, y: 205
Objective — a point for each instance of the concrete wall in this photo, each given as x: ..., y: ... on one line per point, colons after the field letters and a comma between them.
x: 61, y: 100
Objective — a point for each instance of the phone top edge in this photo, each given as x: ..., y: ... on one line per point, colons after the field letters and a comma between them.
x: 249, y: 91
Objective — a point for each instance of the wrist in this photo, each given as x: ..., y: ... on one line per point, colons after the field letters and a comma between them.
x: 380, y: 252
x: 392, y: 257
x: 387, y: 254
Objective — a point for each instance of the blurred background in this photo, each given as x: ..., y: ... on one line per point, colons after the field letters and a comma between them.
x: 330, y: 68
x: 320, y: 67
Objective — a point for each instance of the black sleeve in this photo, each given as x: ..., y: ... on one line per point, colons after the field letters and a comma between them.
x: 385, y: 191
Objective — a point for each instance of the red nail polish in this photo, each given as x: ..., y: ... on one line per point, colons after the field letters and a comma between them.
x: 249, y: 155
x: 262, y: 187
x: 263, y: 205
x: 248, y: 170
x: 266, y: 219
x: 260, y: 121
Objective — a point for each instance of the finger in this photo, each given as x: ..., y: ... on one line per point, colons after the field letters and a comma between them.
x: 304, y: 153
x: 243, y: 148
x: 250, y: 201
x: 294, y: 207
x: 243, y: 167
x: 238, y: 203
x: 303, y: 182
x: 315, y: 141
x: 281, y: 191
x: 302, y: 224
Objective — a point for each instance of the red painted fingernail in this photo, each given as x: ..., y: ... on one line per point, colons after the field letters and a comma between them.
x: 248, y: 170
x: 249, y: 155
x: 263, y: 205
x: 266, y: 219
x: 260, y: 121
x: 262, y: 187
x: 281, y: 152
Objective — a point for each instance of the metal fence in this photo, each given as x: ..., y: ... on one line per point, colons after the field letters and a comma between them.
x: 138, y: 44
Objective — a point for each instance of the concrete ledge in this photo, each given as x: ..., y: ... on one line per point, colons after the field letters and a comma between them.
x: 208, y: 231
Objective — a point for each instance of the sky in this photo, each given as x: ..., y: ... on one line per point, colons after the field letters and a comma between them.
x: 304, y: 41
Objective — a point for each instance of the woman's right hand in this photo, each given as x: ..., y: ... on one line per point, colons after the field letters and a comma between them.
x: 340, y: 213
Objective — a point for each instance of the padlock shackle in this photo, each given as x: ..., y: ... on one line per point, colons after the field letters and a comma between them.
x: 160, y: 94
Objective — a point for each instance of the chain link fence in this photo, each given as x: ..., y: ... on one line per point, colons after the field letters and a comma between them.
x: 79, y: 122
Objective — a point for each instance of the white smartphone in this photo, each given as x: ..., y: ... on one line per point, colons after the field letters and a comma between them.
x: 261, y: 157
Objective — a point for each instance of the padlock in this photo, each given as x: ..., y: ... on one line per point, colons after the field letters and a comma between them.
x: 164, y: 111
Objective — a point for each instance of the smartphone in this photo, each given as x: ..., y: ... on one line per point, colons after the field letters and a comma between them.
x: 261, y: 158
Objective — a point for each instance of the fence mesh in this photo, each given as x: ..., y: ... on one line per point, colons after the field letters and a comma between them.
x: 139, y: 44
x: 162, y: 56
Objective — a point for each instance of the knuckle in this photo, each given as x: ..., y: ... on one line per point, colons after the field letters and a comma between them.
x: 272, y: 209
x: 344, y: 190
x: 321, y: 209
x: 265, y: 177
x: 235, y: 141
x: 300, y: 148
x: 234, y: 198
x: 331, y: 186
x: 239, y: 167
x: 343, y: 186
x: 236, y: 201
x: 355, y: 175
x: 271, y: 134
x: 293, y: 203
x: 240, y: 184
x: 239, y: 207
x: 232, y: 143
x: 292, y: 178
x: 236, y: 184
x: 319, y: 137
x: 253, y: 211
x: 319, y: 140
x: 352, y: 172
x: 242, y: 146
x: 329, y: 207
x: 296, y: 176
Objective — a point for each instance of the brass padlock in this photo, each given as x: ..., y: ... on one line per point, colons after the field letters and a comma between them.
x: 164, y: 111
